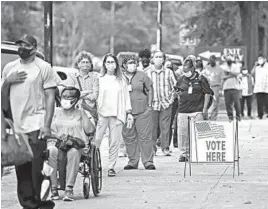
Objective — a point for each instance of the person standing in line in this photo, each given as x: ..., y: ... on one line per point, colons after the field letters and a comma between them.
x: 114, y: 108
x: 87, y: 82
x: 232, y: 88
x: 31, y: 83
x: 163, y: 82
x: 214, y: 74
x: 260, y: 71
x: 173, y: 125
x: 138, y: 138
x: 145, y: 56
x: 247, y: 85
x: 194, y: 94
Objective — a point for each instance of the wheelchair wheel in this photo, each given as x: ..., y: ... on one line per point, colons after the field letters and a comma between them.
x: 95, y: 171
x: 99, y: 170
x: 86, y: 187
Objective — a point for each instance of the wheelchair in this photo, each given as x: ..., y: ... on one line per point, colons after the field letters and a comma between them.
x: 91, y: 170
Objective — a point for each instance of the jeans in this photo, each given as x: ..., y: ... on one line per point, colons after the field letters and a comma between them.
x: 174, y: 114
x: 215, y: 105
x: 232, y: 98
x: 29, y: 176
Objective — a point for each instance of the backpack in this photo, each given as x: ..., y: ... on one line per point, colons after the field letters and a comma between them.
x: 200, y: 77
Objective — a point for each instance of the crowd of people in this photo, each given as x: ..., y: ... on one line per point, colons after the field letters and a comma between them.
x: 144, y: 103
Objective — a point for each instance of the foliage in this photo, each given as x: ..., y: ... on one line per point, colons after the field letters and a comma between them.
x: 87, y: 25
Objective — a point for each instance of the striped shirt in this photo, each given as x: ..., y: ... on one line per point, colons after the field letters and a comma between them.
x: 163, y: 83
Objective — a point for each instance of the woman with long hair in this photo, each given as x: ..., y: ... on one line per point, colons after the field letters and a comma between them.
x: 114, y: 107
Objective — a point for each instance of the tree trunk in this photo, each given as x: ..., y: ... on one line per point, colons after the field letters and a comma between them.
x: 249, y: 26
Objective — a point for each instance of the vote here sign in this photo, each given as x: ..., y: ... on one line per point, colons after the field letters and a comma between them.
x: 212, y: 142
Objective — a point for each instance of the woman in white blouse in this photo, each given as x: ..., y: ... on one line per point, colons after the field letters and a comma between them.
x: 114, y: 108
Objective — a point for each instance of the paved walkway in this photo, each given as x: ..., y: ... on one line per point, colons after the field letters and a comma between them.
x: 209, y: 187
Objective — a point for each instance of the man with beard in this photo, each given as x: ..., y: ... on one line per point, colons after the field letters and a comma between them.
x: 214, y: 74
x: 231, y: 88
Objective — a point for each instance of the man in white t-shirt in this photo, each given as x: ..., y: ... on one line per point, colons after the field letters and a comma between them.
x: 31, y: 83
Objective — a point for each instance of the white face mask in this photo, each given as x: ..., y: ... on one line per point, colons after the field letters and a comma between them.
x: 131, y: 68
x: 260, y: 61
x: 188, y: 74
x: 158, y: 61
x: 244, y: 72
x: 110, y: 67
x: 67, y: 103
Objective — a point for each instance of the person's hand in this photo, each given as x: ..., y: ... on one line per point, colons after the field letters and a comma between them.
x: 205, y: 114
x: 150, y: 108
x: 130, y: 121
x: 44, y: 133
x: 17, y: 77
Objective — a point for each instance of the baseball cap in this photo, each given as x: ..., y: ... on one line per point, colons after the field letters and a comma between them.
x: 27, y: 39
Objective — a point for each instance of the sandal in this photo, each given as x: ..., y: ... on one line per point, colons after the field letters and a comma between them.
x: 111, y: 173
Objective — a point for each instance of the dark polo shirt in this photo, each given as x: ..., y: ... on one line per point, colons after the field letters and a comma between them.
x: 192, y: 101
x: 140, y: 83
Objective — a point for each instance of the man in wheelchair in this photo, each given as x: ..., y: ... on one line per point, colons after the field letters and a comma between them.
x: 71, y: 126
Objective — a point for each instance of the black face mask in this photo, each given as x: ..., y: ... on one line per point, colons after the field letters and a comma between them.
x: 24, y: 53
x: 229, y: 62
x: 212, y: 63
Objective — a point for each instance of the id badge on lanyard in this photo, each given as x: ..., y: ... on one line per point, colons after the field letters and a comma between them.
x: 129, y: 87
x: 190, y: 89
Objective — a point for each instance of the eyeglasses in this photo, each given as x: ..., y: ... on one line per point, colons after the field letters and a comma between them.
x: 110, y: 62
x: 131, y: 62
x: 85, y: 62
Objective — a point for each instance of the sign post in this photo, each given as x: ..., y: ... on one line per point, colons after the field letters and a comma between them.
x: 213, y: 142
x: 220, y: 52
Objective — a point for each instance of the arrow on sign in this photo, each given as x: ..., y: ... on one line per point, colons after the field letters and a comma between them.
x: 207, y: 54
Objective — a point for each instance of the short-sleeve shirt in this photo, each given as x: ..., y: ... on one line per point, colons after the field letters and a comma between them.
x: 27, y: 99
x: 193, y: 100
x: 140, y: 84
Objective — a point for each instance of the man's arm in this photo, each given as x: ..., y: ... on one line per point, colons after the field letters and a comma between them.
x: 49, y: 106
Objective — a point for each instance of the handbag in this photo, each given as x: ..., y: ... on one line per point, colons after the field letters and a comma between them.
x: 66, y: 142
x: 15, y: 149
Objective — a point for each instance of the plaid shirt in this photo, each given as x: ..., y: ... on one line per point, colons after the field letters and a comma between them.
x: 90, y: 83
x: 163, y: 83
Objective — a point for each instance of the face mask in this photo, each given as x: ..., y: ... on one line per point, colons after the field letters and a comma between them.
x: 131, y: 68
x: 188, y: 74
x: 244, y: 72
x: 158, y: 62
x: 229, y: 62
x: 67, y: 103
x: 110, y: 67
x: 212, y: 63
x: 24, y: 53
x: 260, y: 61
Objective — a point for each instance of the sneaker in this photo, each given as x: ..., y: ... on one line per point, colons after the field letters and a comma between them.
x: 68, y: 196
x: 150, y: 167
x: 183, y: 159
x: 166, y: 152
x: 55, y: 194
x: 111, y: 173
x: 129, y: 167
